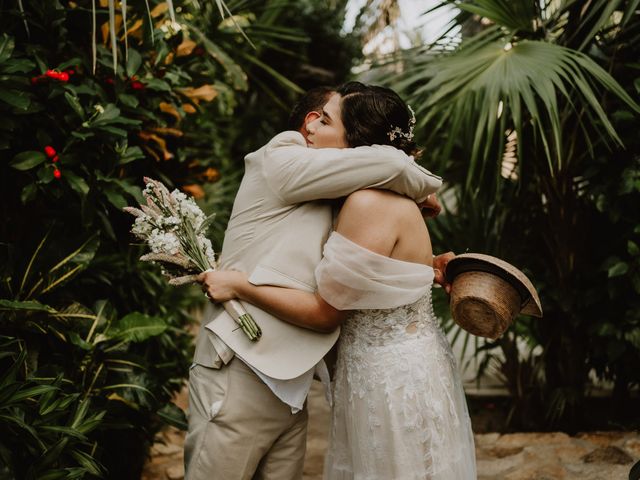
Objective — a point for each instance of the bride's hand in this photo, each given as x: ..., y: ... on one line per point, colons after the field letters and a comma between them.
x: 221, y: 285
x: 440, y: 267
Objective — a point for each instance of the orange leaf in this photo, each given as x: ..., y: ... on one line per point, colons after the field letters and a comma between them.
x: 210, y: 175
x: 159, y: 141
x: 159, y: 9
x: 196, y: 191
x: 205, y: 93
x: 168, y: 131
x: 171, y: 110
x: 186, y: 47
x: 188, y: 108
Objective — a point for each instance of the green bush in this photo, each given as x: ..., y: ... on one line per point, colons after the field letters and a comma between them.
x: 94, y: 343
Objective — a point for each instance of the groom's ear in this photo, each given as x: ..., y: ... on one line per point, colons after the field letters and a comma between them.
x: 308, y: 118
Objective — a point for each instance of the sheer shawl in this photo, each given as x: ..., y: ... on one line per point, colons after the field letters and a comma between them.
x: 350, y: 277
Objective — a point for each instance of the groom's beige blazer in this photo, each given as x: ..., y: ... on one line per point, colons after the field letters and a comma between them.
x: 278, y: 226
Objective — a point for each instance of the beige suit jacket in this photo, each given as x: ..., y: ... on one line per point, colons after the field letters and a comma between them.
x: 278, y: 226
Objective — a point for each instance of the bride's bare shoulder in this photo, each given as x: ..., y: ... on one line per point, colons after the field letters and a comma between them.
x: 372, y: 200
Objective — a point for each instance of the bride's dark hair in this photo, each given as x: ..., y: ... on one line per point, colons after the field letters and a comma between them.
x: 370, y: 113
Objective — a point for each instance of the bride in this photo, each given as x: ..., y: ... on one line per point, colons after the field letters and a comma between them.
x: 399, y: 410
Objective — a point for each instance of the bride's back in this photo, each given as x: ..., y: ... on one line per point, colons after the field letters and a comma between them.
x: 386, y: 223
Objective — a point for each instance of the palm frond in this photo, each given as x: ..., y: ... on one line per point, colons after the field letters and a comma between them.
x: 460, y: 94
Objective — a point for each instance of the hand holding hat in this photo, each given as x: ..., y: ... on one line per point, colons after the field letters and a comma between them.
x: 488, y: 293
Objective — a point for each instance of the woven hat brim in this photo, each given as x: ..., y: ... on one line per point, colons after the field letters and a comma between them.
x: 479, y: 262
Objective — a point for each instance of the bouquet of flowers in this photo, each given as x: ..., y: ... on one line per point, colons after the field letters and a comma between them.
x: 174, y: 228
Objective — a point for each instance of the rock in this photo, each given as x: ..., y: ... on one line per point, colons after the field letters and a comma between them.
x: 498, y: 467
x: 612, y: 455
x: 513, y: 440
x: 571, y: 453
x: 486, y: 439
x: 632, y: 447
x: 597, y: 471
x: 501, y: 452
x: 166, y: 449
x: 600, y: 438
x: 538, y: 472
x: 175, y: 472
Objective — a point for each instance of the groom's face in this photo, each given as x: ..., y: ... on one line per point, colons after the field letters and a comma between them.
x: 327, y: 130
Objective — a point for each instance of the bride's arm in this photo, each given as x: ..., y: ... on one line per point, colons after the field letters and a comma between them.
x: 304, y: 309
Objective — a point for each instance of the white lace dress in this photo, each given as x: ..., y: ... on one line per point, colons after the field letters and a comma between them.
x: 399, y: 411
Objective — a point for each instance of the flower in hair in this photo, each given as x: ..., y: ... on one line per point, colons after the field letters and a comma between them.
x: 398, y: 132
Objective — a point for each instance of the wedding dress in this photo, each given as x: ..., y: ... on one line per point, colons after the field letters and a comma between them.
x: 399, y: 411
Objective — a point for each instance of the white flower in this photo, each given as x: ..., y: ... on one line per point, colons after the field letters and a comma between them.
x: 163, y: 242
x: 142, y: 227
x: 207, y: 248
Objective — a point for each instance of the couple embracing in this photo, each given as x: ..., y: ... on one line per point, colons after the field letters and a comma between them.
x: 327, y: 239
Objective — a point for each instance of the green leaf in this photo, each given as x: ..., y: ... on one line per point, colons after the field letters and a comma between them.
x: 618, y: 269
x: 133, y: 62
x: 18, y: 66
x: 87, y: 461
x: 27, y: 160
x: 114, y: 130
x: 157, y: 84
x: 76, y: 182
x: 632, y: 248
x: 30, y: 305
x: 130, y: 155
x: 6, y: 47
x: 136, y: 327
x: 15, y: 98
x: 32, y: 392
x: 115, y: 198
x: 28, y: 193
x: 633, y: 337
x: 75, y: 104
x: 78, y: 341
x: 174, y: 416
x: 108, y: 115
x: 129, y: 100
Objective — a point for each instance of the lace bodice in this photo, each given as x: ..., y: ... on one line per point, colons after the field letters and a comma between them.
x: 387, y: 326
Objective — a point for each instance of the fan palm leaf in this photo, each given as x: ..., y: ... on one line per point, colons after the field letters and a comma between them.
x: 493, y: 83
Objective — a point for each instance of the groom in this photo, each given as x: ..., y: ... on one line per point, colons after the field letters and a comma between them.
x: 247, y: 414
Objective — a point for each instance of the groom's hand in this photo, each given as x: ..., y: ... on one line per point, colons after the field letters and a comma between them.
x: 430, y: 206
x: 221, y: 285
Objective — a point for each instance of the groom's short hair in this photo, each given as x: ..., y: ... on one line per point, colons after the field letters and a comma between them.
x: 312, y: 101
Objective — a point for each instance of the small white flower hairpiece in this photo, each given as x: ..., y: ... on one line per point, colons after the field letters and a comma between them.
x: 398, y: 132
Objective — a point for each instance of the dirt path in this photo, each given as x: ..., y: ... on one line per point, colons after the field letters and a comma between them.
x: 517, y: 456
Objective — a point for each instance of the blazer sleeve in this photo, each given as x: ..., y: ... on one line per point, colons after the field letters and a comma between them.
x: 296, y: 173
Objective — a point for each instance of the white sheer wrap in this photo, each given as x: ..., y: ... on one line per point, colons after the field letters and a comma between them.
x: 351, y: 277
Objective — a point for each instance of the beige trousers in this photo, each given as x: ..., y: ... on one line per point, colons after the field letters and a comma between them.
x: 239, y: 430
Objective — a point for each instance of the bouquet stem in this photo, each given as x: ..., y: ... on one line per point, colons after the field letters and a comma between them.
x: 243, y: 319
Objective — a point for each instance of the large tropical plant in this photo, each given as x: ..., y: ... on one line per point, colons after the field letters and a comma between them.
x: 530, y: 112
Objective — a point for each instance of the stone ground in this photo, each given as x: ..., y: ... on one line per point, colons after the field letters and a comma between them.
x: 516, y: 456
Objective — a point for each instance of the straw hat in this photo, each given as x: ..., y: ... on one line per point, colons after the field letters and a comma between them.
x: 487, y: 293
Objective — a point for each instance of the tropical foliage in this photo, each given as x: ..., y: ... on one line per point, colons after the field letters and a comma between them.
x: 93, y: 343
x: 531, y: 118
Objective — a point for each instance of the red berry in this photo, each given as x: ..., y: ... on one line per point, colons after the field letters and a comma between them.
x: 70, y: 71
x: 49, y: 151
x: 52, y: 74
x: 63, y: 77
x: 56, y: 173
x: 109, y: 81
x: 35, y: 80
x: 55, y: 159
x: 137, y: 85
